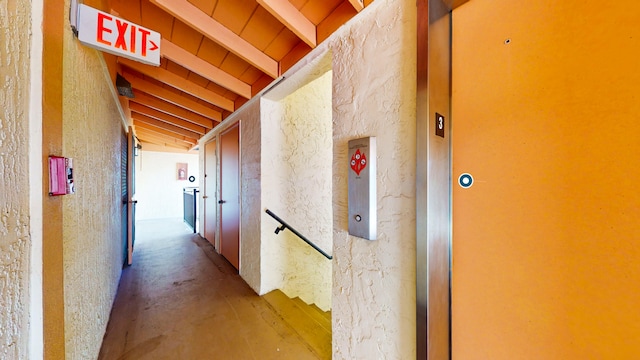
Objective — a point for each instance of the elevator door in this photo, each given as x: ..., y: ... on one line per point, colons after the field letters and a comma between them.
x: 229, y: 199
x: 545, y: 239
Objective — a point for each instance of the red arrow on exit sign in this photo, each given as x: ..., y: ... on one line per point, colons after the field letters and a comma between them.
x: 117, y: 36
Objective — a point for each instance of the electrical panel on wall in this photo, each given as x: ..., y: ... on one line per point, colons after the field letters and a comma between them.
x: 362, y: 188
x: 60, y: 176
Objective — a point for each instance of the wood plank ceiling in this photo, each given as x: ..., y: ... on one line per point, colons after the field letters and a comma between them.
x: 216, y: 55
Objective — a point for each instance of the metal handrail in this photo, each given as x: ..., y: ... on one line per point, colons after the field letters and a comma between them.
x: 287, y: 226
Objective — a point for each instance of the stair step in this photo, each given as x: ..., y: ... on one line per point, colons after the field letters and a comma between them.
x: 299, y: 316
x: 321, y: 317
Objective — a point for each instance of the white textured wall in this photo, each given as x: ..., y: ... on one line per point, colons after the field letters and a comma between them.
x: 92, y: 240
x: 270, y: 274
x: 250, y: 190
x: 158, y: 190
x: 373, y: 59
x: 36, y: 290
x: 250, y: 187
x: 14, y: 178
x: 374, y: 92
x: 296, y: 176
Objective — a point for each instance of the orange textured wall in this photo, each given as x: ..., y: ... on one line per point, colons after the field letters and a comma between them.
x: 546, y: 117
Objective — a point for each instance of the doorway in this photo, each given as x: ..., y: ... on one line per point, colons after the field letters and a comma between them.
x: 131, y: 192
x: 229, y: 199
x: 209, y: 196
x: 125, y: 196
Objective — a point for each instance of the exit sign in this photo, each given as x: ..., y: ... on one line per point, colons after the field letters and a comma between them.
x: 117, y: 36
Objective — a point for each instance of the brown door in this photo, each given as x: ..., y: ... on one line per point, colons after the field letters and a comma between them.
x: 210, y: 203
x: 124, y: 183
x: 229, y: 199
x: 131, y: 207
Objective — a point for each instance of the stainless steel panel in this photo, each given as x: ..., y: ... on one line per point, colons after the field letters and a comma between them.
x: 433, y: 181
x: 362, y: 188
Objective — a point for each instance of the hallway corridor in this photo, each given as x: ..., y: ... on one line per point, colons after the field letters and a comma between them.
x: 181, y: 300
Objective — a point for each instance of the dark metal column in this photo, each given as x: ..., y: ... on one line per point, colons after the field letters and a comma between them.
x: 433, y: 181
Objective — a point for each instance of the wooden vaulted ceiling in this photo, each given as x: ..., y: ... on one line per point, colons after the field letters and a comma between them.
x: 216, y: 55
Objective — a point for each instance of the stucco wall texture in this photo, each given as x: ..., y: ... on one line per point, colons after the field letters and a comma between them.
x: 373, y: 72
x: 92, y: 134
x: 14, y: 177
x: 297, y: 148
x: 250, y: 188
x: 374, y: 92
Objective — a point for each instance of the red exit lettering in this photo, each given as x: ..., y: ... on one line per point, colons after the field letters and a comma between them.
x: 122, y: 29
x: 101, y: 29
x: 105, y: 26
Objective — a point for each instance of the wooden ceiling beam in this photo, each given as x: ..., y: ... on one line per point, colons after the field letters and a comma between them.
x: 201, y: 67
x: 163, y: 125
x: 144, y: 135
x: 292, y: 58
x: 171, y: 97
x: 179, y: 83
x: 165, y: 144
x: 337, y: 18
x: 160, y: 131
x: 153, y: 141
x: 170, y: 119
x: 150, y: 137
x: 293, y: 19
x: 149, y: 146
x: 357, y: 4
x: 147, y: 134
x: 212, y: 29
x: 168, y: 108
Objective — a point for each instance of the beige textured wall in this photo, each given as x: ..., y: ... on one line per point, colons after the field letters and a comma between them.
x: 296, y: 171
x: 374, y: 92
x: 158, y: 190
x: 250, y: 188
x: 374, y: 89
x: 271, y: 245
x: 92, y: 134
x: 14, y: 178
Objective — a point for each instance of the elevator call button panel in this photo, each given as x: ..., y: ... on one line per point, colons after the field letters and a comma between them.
x: 362, y: 188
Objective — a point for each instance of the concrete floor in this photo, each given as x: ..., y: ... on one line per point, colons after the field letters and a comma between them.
x: 181, y: 300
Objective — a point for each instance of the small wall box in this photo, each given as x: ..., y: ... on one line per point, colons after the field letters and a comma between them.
x: 60, y: 176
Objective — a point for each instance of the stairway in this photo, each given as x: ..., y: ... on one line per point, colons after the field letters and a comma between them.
x: 312, y: 324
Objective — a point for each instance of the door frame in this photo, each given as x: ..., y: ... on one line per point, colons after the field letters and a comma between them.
x: 124, y: 178
x: 211, y: 195
x: 131, y: 203
x: 433, y: 180
x: 219, y: 193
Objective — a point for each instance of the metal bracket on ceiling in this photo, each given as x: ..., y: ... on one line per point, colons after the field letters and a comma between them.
x: 73, y: 17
